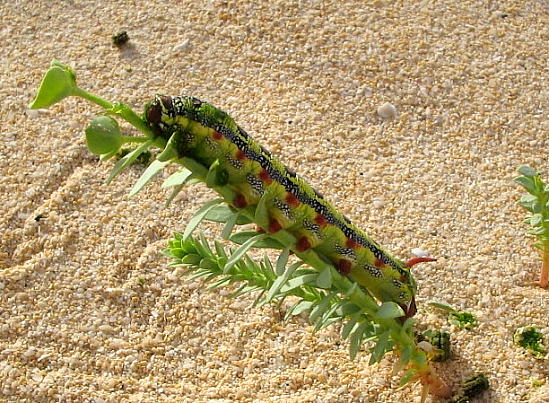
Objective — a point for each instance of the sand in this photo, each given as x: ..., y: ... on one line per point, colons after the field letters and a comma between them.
x: 90, y: 310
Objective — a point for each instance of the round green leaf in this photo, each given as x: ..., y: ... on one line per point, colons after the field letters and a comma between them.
x: 59, y: 82
x: 103, y: 135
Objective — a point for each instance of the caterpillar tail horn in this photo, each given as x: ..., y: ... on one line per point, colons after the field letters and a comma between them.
x: 410, y: 308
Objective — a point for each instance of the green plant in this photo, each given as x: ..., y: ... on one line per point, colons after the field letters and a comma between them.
x: 537, y: 203
x: 440, y: 342
x: 375, y: 298
x: 461, y: 319
x: 121, y: 38
x: 472, y: 387
x: 531, y: 339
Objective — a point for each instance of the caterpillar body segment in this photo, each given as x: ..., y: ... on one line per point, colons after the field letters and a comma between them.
x: 207, y: 134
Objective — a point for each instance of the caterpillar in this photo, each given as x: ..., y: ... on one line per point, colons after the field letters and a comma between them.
x: 208, y: 134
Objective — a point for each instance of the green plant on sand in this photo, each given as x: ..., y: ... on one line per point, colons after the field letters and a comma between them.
x: 530, y: 338
x: 317, y: 287
x: 537, y: 203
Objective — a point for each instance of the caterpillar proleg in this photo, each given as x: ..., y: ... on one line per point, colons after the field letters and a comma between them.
x: 208, y: 135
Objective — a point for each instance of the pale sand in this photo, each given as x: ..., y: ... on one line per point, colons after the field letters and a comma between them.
x: 89, y: 310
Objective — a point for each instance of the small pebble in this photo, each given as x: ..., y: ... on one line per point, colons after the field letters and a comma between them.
x: 420, y: 252
x: 33, y: 113
x: 387, y: 111
x: 182, y: 46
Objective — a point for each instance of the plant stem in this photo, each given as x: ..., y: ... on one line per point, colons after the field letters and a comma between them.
x: 121, y: 110
x: 131, y: 139
x: 79, y: 92
x: 544, y: 277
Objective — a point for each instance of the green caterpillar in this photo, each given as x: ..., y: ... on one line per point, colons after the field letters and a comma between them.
x: 206, y: 134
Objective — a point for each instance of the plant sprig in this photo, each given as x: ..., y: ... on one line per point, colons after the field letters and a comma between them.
x: 460, y: 319
x: 530, y: 338
x: 537, y: 203
x: 322, y: 292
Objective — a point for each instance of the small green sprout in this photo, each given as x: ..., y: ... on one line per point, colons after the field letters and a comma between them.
x: 537, y: 383
x: 472, y: 387
x: 461, y: 319
x: 144, y: 158
x: 120, y: 38
x: 531, y: 339
x: 537, y: 203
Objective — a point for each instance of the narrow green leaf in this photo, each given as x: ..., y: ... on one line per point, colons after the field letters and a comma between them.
x: 405, y: 355
x: 170, y: 149
x: 321, y: 307
x: 324, y: 319
x: 442, y: 306
x: 299, y: 281
x: 220, y: 283
x: 172, y: 195
x: 267, y: 242
x: 107, y: 156
x: 229, y: 225
x: 196, y: 167
x: 222, y: 213
x: 536, y: 219
x: 244, y: 290
x: 268, y: 268
x: 202, y: 246
x: 407, y: 377
x: 280, y: 281
x: 241, y: 251
x: 149, y: 173
x: 298, y: 308
x: 262, y: 216
x: 199, y: 216
x: 281, y: 262
x: 127, y: 160
x: 355, y: 340
x: 389, y: 310
x: 208, y: 263
x: 191, y: 259
x: 324, y: 279
x: 526, y: 183
x: 379, y: 349
x: 220, y: 250
x: 348, y: 308
x: 527, y: 171
x: 537, y: 231
x: 217, y: 175
x: 177, y: 178
x: 349, y: 327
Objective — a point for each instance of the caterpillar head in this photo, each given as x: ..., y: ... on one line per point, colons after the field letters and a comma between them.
x: 159, y: 112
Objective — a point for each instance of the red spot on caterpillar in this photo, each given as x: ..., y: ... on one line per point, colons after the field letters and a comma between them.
x: 303, y: 244
x: 259, y: 229
x: 265, y: 177
x: 417, y: 260
x: 216, y: 135
x: 344, y: 266
x: 291, y: 199
x: 240, y: 155
x: 351, y: 243
x: 321, y: 220
x: 274, y: 226
x: 240, y: 201
x: 379, y: 263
